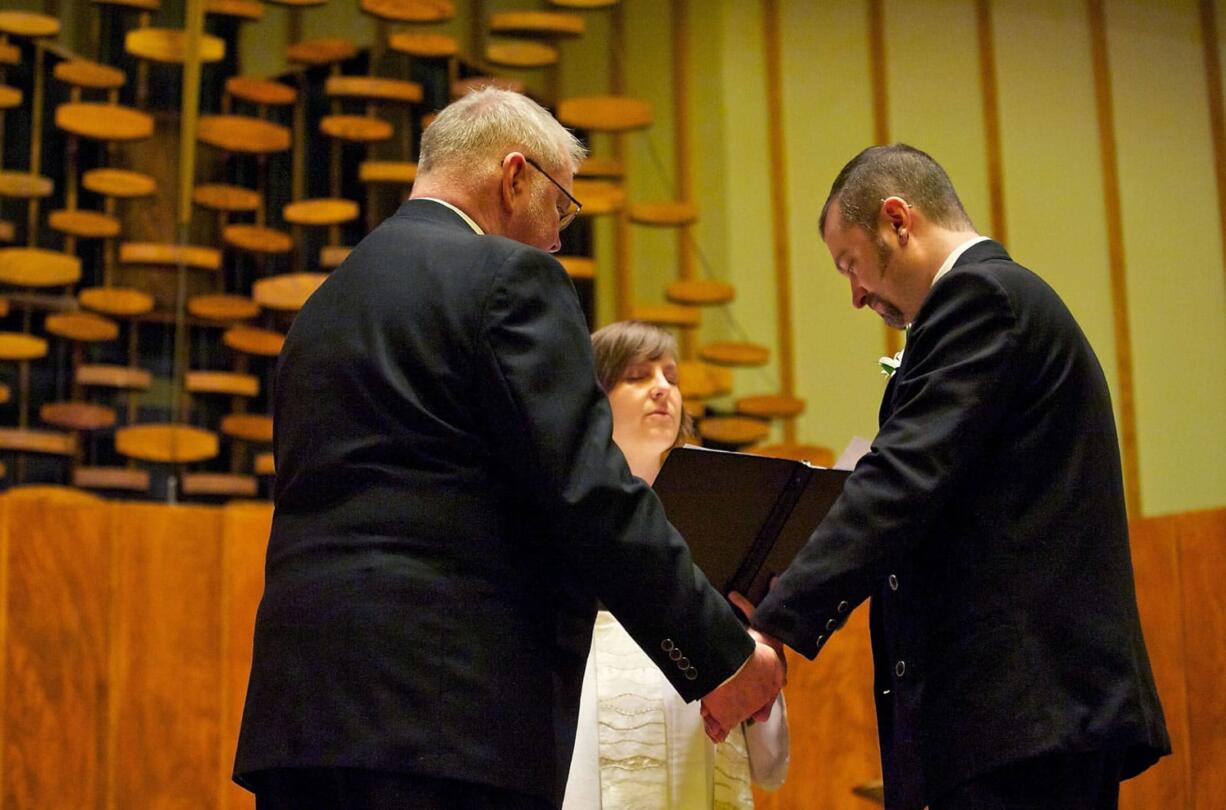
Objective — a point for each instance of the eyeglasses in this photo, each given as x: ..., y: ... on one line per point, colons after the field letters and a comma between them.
x: 572, y: 210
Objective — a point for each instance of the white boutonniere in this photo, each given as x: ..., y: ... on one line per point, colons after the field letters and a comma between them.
x: 889, y: 365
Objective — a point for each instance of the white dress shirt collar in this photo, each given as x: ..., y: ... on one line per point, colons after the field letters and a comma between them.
x: 956, y: 254
x: 476, y: 228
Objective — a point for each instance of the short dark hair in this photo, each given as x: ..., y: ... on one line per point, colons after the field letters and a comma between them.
x: 621, y: 344
x: 895, y: 169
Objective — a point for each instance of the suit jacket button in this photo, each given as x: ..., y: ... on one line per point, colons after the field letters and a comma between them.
x: 830, y: 625
x: 900, y: 668
x: 691, y: 674
x: 684, y: 663
x: 843, y: 607
x: 893, y: 580
x: 821, y: 640
x: 674, y: 654
x: 667, y: 645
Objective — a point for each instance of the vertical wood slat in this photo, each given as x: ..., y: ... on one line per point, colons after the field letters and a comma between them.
x: 881, y: 111
x: 623, y: 271
x: 1115, y: 255
x: 1217, y: 121
x: 991, y: 119
x: 681, y: 150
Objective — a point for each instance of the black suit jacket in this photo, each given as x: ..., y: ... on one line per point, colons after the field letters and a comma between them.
x: 988, y: 523
x: 449, y: 507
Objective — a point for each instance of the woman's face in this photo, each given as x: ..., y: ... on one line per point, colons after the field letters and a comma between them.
x: 646, y: 404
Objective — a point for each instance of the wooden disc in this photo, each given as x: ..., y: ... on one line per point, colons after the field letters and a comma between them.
x: 370, y: 88
x: 733, y: 430
x: 323, y: 51
x: 170, y: 254
x: 298, y: 3
x: 38, y: 441
x: 288, y: 292
x: 465, y: 86
x: 119, y: 183
x: 25, y: 186
x: 578, y: 266
x: 230, y: 383
x: 700, y: 292
x: 770, y: 406
x: 399, y: 172
x: 668, y: 315
x: 601, y: 167
x: 4, y: 307
x: 83, y: 73
x: 233, y: 485
x: 257, y: 239
x: 320, y: 211
x: 105, y: 375
x: 672, y: 214
x: 20, y: 346
x: 84, y: 223
x: 250, y: 340
x: 248, y: 427
x: 735, y: 354
x: 332, y: 256
x: 8, y: 232
x: 10, y: 54
x: 140, y: 5
x: 699, y: 381
x: 599, y: 197
x: 77, y: 415
x: 223, y: 308
x: 85, y: 327
x: 584, y: 4
x: 167, y: 443
x: 521, y: 54
x: 605, y: 113
x: 169, y: 45
x: 119, y: 478
x: 10, y: 97
x: 103, y: 122
x: 812, y: 453
x: 423, y: 44
x: 355, y: 128
x: 122, y: 302
x: 35, y: 267
x: 261, y: 91
x: 239, y: 9
x: 225, y: 197
x: 264, y: 464
x: 28, y: 24
x: 241, y: 133
x: 415, y: 11
x: 537, y: 24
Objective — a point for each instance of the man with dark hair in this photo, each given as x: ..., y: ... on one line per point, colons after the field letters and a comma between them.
x: 987, y: 522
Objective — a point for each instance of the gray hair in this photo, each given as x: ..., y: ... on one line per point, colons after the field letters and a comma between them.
x: 490, y: 122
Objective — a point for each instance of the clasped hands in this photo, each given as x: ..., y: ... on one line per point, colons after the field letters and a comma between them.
x: 752, y: 691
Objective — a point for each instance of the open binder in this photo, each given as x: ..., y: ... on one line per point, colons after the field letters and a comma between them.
x: 744, y: 517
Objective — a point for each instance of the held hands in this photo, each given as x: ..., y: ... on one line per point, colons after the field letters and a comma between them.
x: 749, y: 693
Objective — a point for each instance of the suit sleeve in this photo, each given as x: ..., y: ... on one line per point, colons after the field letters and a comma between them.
x: 607, y: 528
x: 949, y: 395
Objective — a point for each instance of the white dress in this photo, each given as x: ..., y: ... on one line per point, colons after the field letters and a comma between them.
x: 640, y: 747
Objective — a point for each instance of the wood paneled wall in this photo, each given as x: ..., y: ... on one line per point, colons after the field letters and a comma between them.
x: 126, y: 634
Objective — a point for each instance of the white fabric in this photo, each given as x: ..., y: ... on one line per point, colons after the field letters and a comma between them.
x: 956, y: 254
x: 471, y: 223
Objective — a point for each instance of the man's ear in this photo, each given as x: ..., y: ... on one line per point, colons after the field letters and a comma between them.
x: 512, y: 180
x: 896, y: 215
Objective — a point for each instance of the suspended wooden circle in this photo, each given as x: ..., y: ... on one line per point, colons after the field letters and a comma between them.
x: 599, y: 197
x: 812, y: 453
x: 423, y: 44
x: 25, y: 186
x: 170, y: 254
x: 288, y: 292
x: 4, y: 307
x: 35, y: 267
x: 257, y: 239
x: 465, y: 86
x: 733, y: 430
x: 238, y: 9
x: 297, y: 3
x: 671, y: 214
x: 695, y: 381
x: 8, y: 231
x: 83, y: 73
x: 229, y: 383
x: 521, y: 54
x: 169, y: 45
x: 85, y: 327
x: 264, y: 464
x: 332, y: 256
x: 20, y: 346
x: 320, y: 211
x: 103, y: 122
x: 584, y: 4
x: 355, y: 128
x: 10, y: 97
x: 118, y: 478
x: 372, y: 88
x: 735, y: 354
x: 414, y: 11
x: 249, y: 427
x: 84, y: 223
x: 668, y: 315
x: 325, y: 51
x: 605, y: 113
x: 10, y: 54
x: 122, y: 302
x: 140, y: 5
x: 578, y: 266
x: 28, y: 24
x: 77, y: 415
x: 250, y: 340
x: 54, y: 494
x: 222, y: 307
x: 167, y: 444
x: 600, y: 167
x: 105, y: 375
x: 537, y: 24
x: 38, y: 441
x: 232, y: 485
x: 119, y: 183
x: 770, y: 406
x: 699, y: 292
x: 241, y: 133
x: 400, y: 172
x: 261, y: 91
x: 225, y: 197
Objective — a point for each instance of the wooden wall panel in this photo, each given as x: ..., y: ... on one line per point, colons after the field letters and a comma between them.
x: 54, y: 708
x: 166, y: 657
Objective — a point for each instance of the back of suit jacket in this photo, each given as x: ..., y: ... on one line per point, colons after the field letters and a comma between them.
x: 988, y: 521
x: 449, y: 506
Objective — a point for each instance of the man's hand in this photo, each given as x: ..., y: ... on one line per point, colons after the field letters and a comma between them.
x: 747, y: 608
x: 749, y: 693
